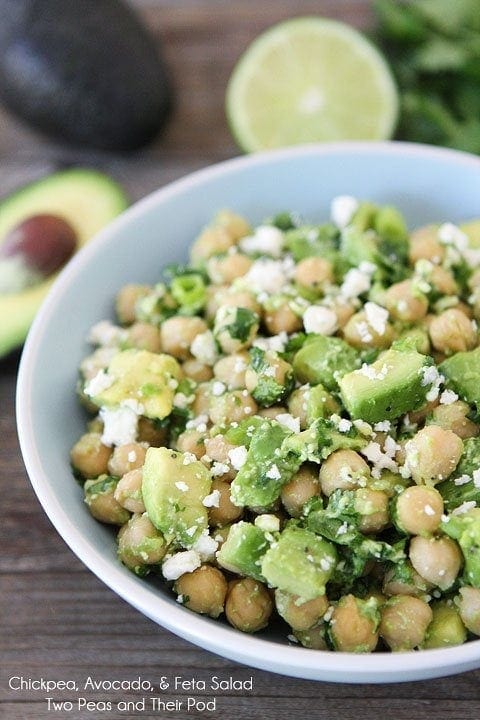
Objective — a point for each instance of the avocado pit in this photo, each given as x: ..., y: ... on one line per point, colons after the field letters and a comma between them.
x: 33, y: 250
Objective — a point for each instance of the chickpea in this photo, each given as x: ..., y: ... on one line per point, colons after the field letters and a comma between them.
x: 140, y: 543
x: 226, y: 512
x: 474, y: 280
x: 272, y: 412
x: 313, y: 638
x: 177, y: 334
x: 233, y: 406
x: 231, y: 370
x: 227, y: 268
x: 360, y: 334
x: 404, y: 302
x: 202, y: 399
x: 351, y: 628
x: 95, y: 425
x: 125, y: 458
x: 395, y: 585
x: 198, y: 371
x: 239, y: 299
x: 452, y: 332
x: 217, y: 448
x: 214, y: 295
x: 418, y: 416
x: 469, y: 608
x: 425, y: 245
x: 373, y: 508
x: 343, y: 310
x: 192, y: 441
x: 343, y: 470
x: 236, y: 225
x: 126, y: 301
x: 419, y: 510
x: 99, y: 497
x: 443, y: 281
x: 454, y: 417
x: 404, y: 622
x: 438, y: 560
x: 282, y: 319
x: 98, y: 360
x: 89, y: 456
x: 151, y: 432
x: 300, y: 614
x: 204, y: 590
x: 212, y: 241
x: 128, y: 492
x: 466, y: 309
x: 144, y: 336
x: 303, y: 486
x: 314, y: 273
x: 249, y: 605
x: 322, y: 404
x: 433, y: 454
x: 235, y: 328
x: 279, y: 370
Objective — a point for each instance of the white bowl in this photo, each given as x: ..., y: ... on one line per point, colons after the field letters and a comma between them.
x: 427, y: 184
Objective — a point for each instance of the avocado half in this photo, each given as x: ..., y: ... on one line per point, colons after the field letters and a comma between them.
x: 87, y: 199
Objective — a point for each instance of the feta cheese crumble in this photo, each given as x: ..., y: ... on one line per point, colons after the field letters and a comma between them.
x: 119, y: 425
x: 100, y: 382
x: 320, y: 320
x: 266, y: 240
x: 180, y: 563
x: 288, y: 421
x: 342, y: 210
x: 212, y: 500
x: 204, y: 348
x: 238, y: 456
x: 377, y: 317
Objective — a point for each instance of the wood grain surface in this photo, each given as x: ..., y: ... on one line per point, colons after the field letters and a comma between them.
x: 57, y: 621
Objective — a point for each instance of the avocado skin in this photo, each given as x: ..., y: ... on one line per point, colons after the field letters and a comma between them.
x: 85, y: 71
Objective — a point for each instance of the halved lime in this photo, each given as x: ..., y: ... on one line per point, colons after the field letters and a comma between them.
x: 310, y: 79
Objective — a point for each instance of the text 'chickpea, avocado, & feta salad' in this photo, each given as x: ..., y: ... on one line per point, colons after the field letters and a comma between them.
x: 289, y: 425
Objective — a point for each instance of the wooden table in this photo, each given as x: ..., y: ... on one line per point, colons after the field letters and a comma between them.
x: 57, y: 620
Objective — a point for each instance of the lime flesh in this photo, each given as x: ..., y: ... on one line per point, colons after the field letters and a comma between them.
x: 310, y: 80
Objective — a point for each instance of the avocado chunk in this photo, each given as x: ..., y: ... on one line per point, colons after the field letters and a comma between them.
x: 243, y: 550
x: 461, y: 487
x: 446, y: 628
x: 259, y: 481
x: 300, y: 563
x: 88, y: 200
x: 93, y: 77
x: 324, y: 360
x: 462, y: 372
x: 465, y: 529
x: 137, y: 376
x: 396, y: 383
x: 173, y: 489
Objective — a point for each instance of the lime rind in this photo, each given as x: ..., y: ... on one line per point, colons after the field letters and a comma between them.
x: 273, y: 68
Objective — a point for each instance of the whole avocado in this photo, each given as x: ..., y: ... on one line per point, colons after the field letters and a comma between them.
x: 85, y: 71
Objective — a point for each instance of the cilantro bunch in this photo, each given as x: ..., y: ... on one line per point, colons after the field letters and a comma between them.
x: 433, y: 47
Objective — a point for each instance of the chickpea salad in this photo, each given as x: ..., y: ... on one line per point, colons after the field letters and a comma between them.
x: 287, y: 428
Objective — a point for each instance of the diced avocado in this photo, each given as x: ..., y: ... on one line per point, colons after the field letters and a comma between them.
x: 465, y: 529
x: 415, y: 338
x: 320, y: 404
x: 300, y: 563
x: 446, y: 627
x: 259, y: 481
x: 358, y: 246
x: 243, y: 433
x: 243, y: 550
x: 456, y: 493
x: 263, y: 370
x: 319, y: 440
x: 86, y: 199
x: 173, y: 489
x: 310, y: 240
x: 143, y: 377
x: 325, y: 360
x: 462, y: 372
x: 393, y: 385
